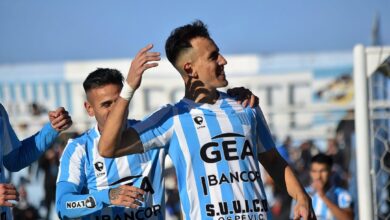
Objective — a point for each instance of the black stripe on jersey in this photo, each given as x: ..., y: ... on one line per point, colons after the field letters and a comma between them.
x: 227, y: 135
x: 124, y: 179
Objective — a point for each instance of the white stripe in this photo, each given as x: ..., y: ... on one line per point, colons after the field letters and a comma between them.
x: 74, y: 168
x: 122, y: 165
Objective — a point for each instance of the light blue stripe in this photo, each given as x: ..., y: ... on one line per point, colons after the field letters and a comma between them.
x: 180, y: 165
x: 198, y: 168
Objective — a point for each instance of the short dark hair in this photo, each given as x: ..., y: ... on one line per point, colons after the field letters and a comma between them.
x: 102, y: 77
x: 180, y: 38
x: 323, y: 159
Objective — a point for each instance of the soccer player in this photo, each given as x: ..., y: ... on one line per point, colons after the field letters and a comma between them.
x: 16, y: 154
x: 329, y: 201
x: 92, y: 187
x: 215, y: 143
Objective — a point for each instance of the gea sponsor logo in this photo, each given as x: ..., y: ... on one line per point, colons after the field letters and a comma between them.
x: 212, y: 152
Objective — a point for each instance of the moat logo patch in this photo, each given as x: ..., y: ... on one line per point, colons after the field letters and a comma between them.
x: 99, y: 166
x: 88, y: 203
x: 198, y: 120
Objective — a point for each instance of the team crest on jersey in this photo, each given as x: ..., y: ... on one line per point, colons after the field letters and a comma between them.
x: 199, y: 121
x: 99, y: 166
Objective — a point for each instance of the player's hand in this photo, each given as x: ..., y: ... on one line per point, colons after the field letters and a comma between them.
x: 303, y: 208
x: 244, y: 96
x: 319, y: 187
x: 127, y: 196
x: 60, y: 119
x: 142, y: 61
x: 8, y: 192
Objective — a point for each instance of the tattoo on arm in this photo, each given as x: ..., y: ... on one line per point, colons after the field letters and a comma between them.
x: 114, y: 193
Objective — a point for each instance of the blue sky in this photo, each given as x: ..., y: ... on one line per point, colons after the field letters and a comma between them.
x: 56, y: 31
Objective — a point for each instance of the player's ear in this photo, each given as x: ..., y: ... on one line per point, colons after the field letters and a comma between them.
x: 189, y: 70
x: 89, y: 108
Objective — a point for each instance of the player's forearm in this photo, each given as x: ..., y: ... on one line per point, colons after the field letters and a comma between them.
x: 71, y: 204
x: 338, y: 213
x: 294, y: 187
x: 111, y: 136
x: 31, y: 149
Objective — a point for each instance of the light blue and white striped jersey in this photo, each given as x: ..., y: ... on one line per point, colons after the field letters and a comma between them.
x: 16, y: 154
x: 85, y: 178
x: 337, y: 195
x: 214, y: 150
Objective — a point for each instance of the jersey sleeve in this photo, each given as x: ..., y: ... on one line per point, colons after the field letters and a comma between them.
x: 8, y: 141
x: 264, y: 140
x: 18, y: 155
x: 156, y: 130
x: 71, y: 201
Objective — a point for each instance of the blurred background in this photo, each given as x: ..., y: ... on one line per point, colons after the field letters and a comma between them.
x: 297, y: 57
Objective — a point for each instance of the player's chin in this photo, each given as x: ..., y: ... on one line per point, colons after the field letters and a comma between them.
x: 223, y: 83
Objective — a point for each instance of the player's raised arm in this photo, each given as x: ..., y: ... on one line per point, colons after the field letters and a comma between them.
x: 115, y: 140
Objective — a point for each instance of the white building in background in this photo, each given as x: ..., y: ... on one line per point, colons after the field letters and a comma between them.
x: 302, y: 95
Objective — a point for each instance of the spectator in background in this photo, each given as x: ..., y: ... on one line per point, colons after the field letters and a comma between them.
x: 49, y: 163
x: 24, y: 210
x: 329, y: 201
x: 302, y: 164
x: 16, y: 154
x: 340, y: 177
x: 284, y: 149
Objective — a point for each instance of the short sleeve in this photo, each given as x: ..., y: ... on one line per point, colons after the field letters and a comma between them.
x: 72, y: 164
x: 156, y: 130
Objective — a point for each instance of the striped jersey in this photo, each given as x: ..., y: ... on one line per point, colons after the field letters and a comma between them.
x: 337, y: 195
x: 85, y: 178
x: 214, y: 150
x: 16, y: 154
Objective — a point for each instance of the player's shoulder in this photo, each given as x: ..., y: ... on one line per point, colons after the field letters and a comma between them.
x: 341, y: 191
x: 81, y: 141
x: 163, y: 112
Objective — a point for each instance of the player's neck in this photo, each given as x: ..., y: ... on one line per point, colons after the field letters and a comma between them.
x: 202, y: 95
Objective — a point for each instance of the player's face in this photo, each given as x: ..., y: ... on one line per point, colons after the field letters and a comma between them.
x: 320, y: 172
x: 100, y: 102
x: 208, y: 63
